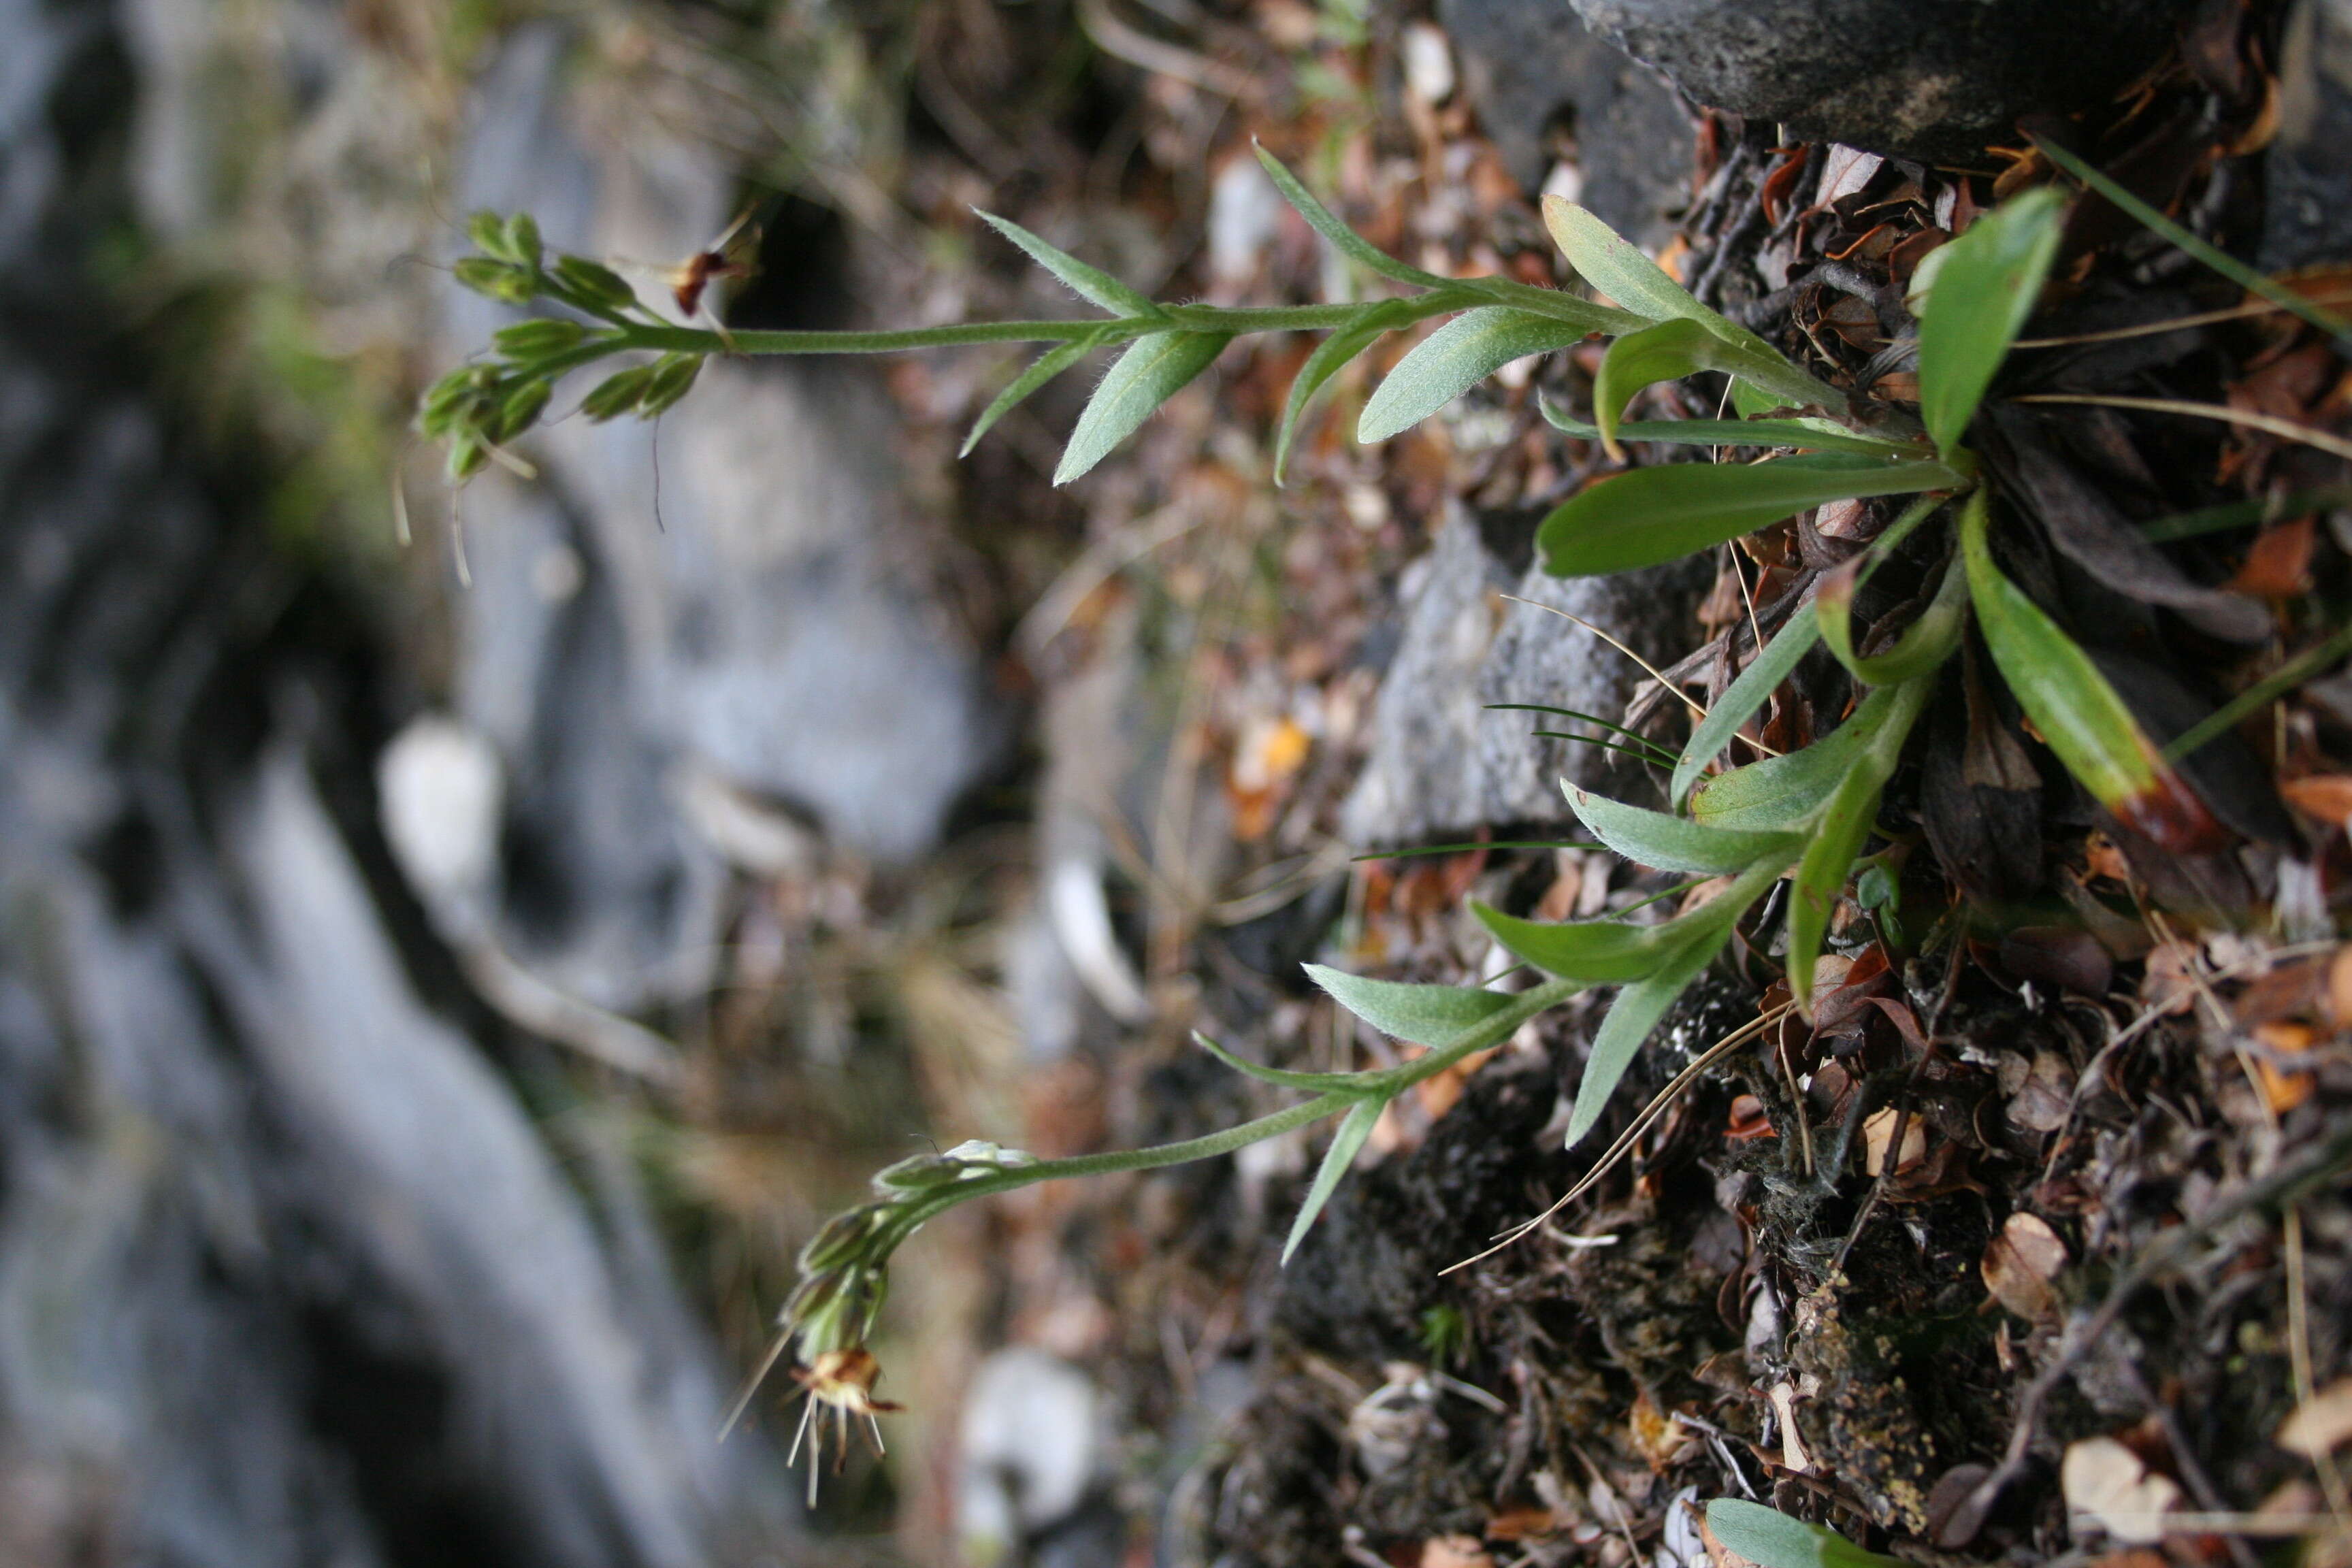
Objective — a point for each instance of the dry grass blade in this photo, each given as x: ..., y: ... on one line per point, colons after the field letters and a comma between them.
x: 1655, y: 673
x: 2174, y: 324
x: 2287, y: 429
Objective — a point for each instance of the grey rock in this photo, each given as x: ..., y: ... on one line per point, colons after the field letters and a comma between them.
x: 1441, y: 764
x: 749, y: 607
x: 1529, y: 64
x: 2307, y: 211
x: 287, y: 1275
x: 1890, y: 76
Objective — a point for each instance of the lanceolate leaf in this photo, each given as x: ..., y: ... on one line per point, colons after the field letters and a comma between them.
x: 1699, y: 936
x: 1315, y: 1082
x: 1151, y: 371
x: 1042, y: 369
x: 1345, y: 240
x: 1652, y: 515
x: 1091, y: 283
x: 1853, y: 809
x: 1598, y: 952
x: 1681, y: 347
x: 1616, y: 267
x: 1420, y: 1014
x: 1345, y: 1143
x: 1806, y: 435
x: 1925, y: 643
x: 2073, y: 707
x: 1984, y: 290
x: 1455, y: 357
x: 1771, y: 1539
x: 1329, y: 357
x: 1676, y: 843
x: 1788, y: 793
x: 1743, y: 698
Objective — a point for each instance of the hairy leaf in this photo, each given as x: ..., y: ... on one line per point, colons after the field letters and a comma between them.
x: 1771, y: 1539
x: 1430, y: 1015
x: 1695, y: 939
x: 1316, y: 1082
x: 1042, y: 369
x: 1151, y: 371
x: 1329, y: 357
x: 1090, y: 283
x: 1788, y: 793
x: 1652, y: 515
x: 1345, y: 1143
x: 1742, y: 698
x: 1675, y: 349
x: 2074, y: 710
x: 1345, y: 240
x: 1845, y: 824
x: 1598, y: 952
x: 1984, y: 290
x: 1925, y: 643
x: 1616, y: 267
x: 1454, y: 358
x: 1676, y: 843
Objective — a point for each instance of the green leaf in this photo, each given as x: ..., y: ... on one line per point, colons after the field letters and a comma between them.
x: 1345, y: 1143
x: 1984, y: 290
x: 1788, y: 793
x: 1452, y: 359
x: 1651, y: 515
x: 1676, y: 843
x: 1151, y: 371
x: 1845, y: 823
x: 1806, y: 435
x: 1346, y: 240
x: 1329, y: 357
x: 1598, y: 952
x: 1742, y: 698
x: 1090, y: 283
x: 2076, y: 712
x: 1748, y: 403
x: 1695, y: 940
x: 1042, y: 369
x: 1430, y: 1015
x: 1675, y: 349
x: 1317, y: 1082
x: 1925, y: 643
x: 1616, y: 267
x: 1772, y: 1540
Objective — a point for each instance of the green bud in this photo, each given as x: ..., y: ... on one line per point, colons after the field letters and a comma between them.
x: 673, y: 378
x: 592, y: 284
x: 498, y: 280
x: 490, y: 236
x: 521, y: 408
x: 468, y: 456
x: 523, y: 239
x: 538, y: 339
x: 616, y: 395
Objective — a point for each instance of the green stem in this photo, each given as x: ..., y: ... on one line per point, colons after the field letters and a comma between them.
x: 1386, y: 1084
x: 2220, y: 260
x: 2261, y: 694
